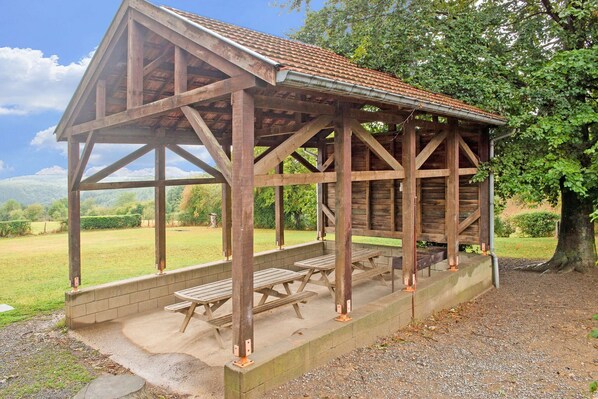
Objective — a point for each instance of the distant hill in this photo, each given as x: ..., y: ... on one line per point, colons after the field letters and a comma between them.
x: 46, y: 188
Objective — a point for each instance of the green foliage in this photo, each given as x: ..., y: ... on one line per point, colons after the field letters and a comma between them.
x: 503, y: 227
x: 110, y: 222
x: 593, y: 386
x: 594, y: 333
x: 536, y: 224
x: 9, y: 210
x: 595, y: 317
x: 198, y: 202
x: 34, y: 212
x: 58, y: 210
x: 15, y: 228
x: 174, y: 196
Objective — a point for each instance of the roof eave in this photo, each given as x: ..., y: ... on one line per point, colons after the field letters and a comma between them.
x: 299, y: 79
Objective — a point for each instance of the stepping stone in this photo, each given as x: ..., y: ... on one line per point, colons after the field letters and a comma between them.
x: 113, y: 387
x: 5, y: 308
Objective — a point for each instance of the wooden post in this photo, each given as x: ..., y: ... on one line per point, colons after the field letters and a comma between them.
x: 418, y: 192
x: 74, y: 218
x: 484, y: 223
x: 160, y: 209
x: 343, y: 233
x: 226, y: 213
x: 409, y: 205
x: 452, y: 194
x: 134, y: 65
x: 321, y: 192
x: 242, y: 228
x: 279, y: 208
x: 368, y: 190
x: 392, y: 194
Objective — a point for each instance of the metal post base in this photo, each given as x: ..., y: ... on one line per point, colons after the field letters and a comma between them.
x: 343, y: 318
x: 243, y: 362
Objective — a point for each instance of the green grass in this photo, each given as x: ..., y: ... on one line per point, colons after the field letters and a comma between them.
x: 528, y: 248
x: 44, y: 227
x: 34, y: 269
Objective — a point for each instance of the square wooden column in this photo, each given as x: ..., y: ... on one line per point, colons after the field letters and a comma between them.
x: 484, y: 193
x: 452, y: 194
x: 226, y: 214
x: 74, y: 218
x: 343, y: 232
x: 279, y: 208
x: 160, y: 209
x: 242, y: 225
x: 409, y: 204
x: 321, y: 192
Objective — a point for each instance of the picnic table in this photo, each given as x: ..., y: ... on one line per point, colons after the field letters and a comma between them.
x: 210, y: 297
x: 324, y: 266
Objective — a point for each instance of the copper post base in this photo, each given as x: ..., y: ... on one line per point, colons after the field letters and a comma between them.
x: 343, y: 318
x: 243, y: 362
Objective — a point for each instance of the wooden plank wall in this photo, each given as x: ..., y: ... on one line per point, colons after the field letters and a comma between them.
x: 385, y: 195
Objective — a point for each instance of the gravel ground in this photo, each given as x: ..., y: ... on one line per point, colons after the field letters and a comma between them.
x: 527, y: 340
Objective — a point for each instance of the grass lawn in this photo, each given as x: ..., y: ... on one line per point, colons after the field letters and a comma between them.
x: 44, y: 227
x: 34, y: 269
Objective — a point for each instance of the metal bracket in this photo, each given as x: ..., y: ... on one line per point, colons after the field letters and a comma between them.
x: 248, y: 350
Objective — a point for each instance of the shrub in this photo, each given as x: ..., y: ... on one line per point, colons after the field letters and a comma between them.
x: 15, y: 228
x: 110, y: 222
x: 536, y: 224
x: 503, y: 227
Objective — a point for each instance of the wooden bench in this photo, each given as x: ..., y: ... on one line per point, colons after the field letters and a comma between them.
x: 425, y: 259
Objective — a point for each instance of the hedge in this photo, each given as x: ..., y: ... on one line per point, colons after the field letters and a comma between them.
x: 15, y: 228
x: 503, y: 227
x: 110, y: 222
x: 536, y: 224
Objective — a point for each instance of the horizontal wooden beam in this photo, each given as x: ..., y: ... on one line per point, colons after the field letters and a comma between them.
x: 149, y: 183
x: 467, y: 171
x: 210, y: 92
x: 465, y: 239
x: 427, y: 173
x: 323, y: 177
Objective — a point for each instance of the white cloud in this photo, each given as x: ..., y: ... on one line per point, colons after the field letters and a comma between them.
x: 45, y: 139
x: 3, y: 166
x: 52, y: 171
x: 32, y: 82
x: 172, y: 172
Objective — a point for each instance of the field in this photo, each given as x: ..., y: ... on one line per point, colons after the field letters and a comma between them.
x: 34, y: 269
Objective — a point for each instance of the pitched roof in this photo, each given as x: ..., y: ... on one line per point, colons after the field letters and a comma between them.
x: 308, y: 61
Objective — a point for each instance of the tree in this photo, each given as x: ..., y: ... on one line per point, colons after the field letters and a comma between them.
x: 198, y: 202
x: 534, y: 62
x: 34, y: 212
x: 8, y: 208
x: 58, y: 210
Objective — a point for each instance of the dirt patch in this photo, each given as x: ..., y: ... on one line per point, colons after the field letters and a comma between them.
x: 530, y: 339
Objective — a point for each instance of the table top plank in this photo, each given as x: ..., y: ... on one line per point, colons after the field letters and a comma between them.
x: 327, y: 262
x: 222, y: 290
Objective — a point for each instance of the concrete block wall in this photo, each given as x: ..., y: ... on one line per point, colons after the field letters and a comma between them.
x: 106, y: 302
x: 298, y: 354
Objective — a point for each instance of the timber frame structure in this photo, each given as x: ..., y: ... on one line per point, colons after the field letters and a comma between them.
x: 162, y: 78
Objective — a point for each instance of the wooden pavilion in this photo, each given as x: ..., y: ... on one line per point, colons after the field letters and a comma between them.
x: 162, y: 78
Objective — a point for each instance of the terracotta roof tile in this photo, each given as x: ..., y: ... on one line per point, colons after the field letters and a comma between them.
x: 306, y: 58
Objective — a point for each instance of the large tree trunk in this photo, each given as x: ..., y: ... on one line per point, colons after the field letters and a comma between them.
x: 576, y: 248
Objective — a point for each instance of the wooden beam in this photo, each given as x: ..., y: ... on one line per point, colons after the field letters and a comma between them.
x: 226, y: 213
x: 467, y: 150
x: 149, y: 183
x: 469, y: 220
x: 484, y: 191
x: 429, y: 149
x: 467, y: 171
x: 100, y: 98
x: 321, y: 192
x: 108, y: 170
x: 80, y: 169
x: 368, y: 188
x: 427, y: 173
x: 158, y: 61
x: 392, y: 194
x: 329, y: 214
x: 194, y: 160
x: 328, y: 162
x: 376, y: 116
x: 291, y: 144
x: 289, y: 105
x: 374, y: 145
x: 134, y: 65
x: 160, y: 209
x: 209, y: 92
x: 323, y: 177
x: 304, y: 162
x: 74, y: 219
x: 408, y: 205
x: 180, y: 71
x: 209, y: 141
x: 452, y: 195
x: 279, y: 209
x: 342, y: 166
x: 242, y: 229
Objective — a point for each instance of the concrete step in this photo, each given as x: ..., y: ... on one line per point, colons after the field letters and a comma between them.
x: 114, y: 387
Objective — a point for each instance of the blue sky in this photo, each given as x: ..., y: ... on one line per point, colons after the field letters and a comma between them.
x: 45, y: 46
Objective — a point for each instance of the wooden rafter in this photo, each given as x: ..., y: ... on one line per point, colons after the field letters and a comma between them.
x: 374, y: 145
x: 195, y: 161
x: 429, y: 149
x: 291, y: 144
x: 134, y: 65
x: 209, y: 92
x: 159, y: 60
x: 209, y: 141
